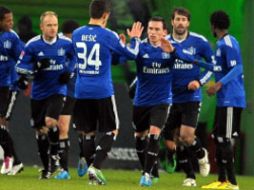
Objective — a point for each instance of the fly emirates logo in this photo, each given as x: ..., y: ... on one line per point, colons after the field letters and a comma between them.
x: 181, y: 65
x: 156, y: 69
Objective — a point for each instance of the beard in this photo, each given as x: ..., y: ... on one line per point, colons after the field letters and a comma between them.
x: 180, y: 31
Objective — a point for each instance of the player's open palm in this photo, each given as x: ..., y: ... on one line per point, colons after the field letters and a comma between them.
x: 166, y: 45
x: 136, y: 30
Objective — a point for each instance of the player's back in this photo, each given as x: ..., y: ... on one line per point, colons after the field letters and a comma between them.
x: 93, y: 45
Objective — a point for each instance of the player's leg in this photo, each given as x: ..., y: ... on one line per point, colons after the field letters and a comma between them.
x: 64, y: 143
x: 158, y: 116
x: 188, y: 138
x: 38, y: 110
x: 5, y: 138
x: 54, y: 107
x: 108, y: 126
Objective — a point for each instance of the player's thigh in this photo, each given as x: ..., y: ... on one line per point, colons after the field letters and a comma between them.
x: 38, y: 112
x: 190, y: 113
x: 172, y: 124
x: 85, y: 115
x: 55, y: 105
x: 108, y: 114
x: 158, y: 115
x: 141, y: 118
x: 4, y: 99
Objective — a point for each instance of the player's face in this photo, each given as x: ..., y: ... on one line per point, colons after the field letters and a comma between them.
x: 155, y: 32
x: 7, y: 23
x: 49, y: 26
x: 180, y: 24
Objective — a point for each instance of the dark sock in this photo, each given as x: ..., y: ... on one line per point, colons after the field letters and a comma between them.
x: 221, y: 166
x: 141, y: 143
x: 102, y: 149
x: 64, y: 146
x: 81, y: 145
x: 170, y: 155
x: 183, y: 156
x: 89, y: 149
x: 6, y: 142
x: 53, y: 136
x: 197, y: 149
x: 155, y: 169
x: 43, y: 147
x: 152, y: 152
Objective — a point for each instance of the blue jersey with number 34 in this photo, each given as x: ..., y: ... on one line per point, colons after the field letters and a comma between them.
x: 94, y: 46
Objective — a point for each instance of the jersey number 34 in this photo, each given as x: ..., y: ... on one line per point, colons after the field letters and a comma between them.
x: 92, y: 59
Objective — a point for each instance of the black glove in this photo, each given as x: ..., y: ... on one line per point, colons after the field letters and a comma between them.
x: 42, y: 64
x: 22, y: 83
x: 64, y: 78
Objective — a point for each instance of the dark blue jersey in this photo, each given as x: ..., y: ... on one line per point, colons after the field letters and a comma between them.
x: 184, y: 72
x: 228, y: 56
x: 94, y: 46
x: 60, y: 53
x: 154, y: 74
x: 10, y: 49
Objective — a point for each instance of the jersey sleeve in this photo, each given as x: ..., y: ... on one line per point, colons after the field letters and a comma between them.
x: 207, y: 54
x: 18, y: 46
x: 72, y: 58
x: 115, y: 44
x: 24, y: 65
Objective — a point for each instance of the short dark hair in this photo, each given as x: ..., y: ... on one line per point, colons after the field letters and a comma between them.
x: 220, y: 19
x: 181, y: 11
x: 159, y: 19
x: 69, y: 26
x: 98, y: 7
x: 3, y: 12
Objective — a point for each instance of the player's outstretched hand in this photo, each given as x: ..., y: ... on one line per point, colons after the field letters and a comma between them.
x: 214, y: 88
x: 122, y: 38
x: 136, y: 30
x: 166, y: 46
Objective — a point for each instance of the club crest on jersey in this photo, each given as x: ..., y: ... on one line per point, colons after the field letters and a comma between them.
x: 61, y: 52
x: 165, y: 55
x: 7, y: 44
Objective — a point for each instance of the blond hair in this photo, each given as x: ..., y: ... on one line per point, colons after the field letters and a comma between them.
x: 47, y: 13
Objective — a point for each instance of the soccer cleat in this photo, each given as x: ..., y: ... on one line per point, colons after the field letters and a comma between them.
x: 228, y: 185
x: 7, y: 165
x: 204, y: 165
x: 16, y: 169
x: 145, y: 180
x: 96, y: 176
x: 63, y: 174
x: 189, y: 182
x: 82, y: 167
x: 45, y: 174
x: 170, y: 165
x: 215, y: 185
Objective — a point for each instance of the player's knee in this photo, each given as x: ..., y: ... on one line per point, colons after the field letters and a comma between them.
x: 171, y: 145
x: 187, y: 139
x: 141, y: 134
x: 50, y: 122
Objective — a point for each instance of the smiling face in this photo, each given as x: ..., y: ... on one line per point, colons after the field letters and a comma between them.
x: 180, y: 24
x: 7, y: 22
x: 49, y: 26
x: 155, y: 32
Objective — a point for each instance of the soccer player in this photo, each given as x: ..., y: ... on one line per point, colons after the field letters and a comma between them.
x: 229, y: 89
x: 44, y: 59
x: 187, y: 80
x: 95, y: 105
x: 154, y: 63
x: 10, y: 49
x: 64, y: 120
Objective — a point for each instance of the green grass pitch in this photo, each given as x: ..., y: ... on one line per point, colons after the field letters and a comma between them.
x: 117, y: 179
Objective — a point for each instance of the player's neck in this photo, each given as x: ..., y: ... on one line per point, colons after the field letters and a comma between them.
x: 221, y: 33
x: 180, y: 37
x: 99, y: 22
